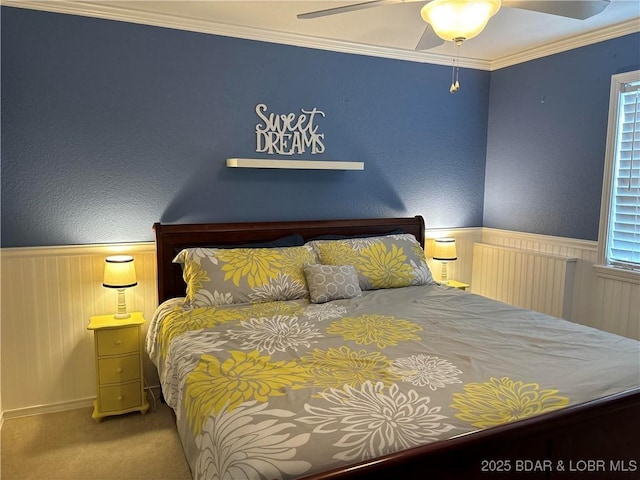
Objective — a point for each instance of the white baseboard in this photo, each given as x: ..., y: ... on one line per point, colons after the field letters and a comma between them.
x: 50, y: 408
x: 60, y: 406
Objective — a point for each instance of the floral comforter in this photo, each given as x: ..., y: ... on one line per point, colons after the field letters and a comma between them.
x: 287, y: 389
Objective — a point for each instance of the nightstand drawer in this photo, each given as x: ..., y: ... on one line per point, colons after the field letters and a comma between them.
x: 118, y: 340
x: 120, y: 397
x: 119, y: 369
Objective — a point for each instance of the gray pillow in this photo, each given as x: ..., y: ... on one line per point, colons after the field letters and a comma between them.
x: 332, y: 282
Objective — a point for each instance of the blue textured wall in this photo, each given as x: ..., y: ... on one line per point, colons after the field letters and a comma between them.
x: 108, y: 127
x: 546, y: 139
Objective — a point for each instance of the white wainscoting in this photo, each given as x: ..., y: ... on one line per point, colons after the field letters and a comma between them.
x: 49, y: 293
x: 524, y: 278
x: 609, y: 302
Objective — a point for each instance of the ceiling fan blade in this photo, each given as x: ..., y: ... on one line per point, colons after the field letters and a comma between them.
x: 579, y: 9
x: 428, y: 40
x: 347, y: 8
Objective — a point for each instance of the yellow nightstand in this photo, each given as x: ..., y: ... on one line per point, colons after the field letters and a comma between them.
x: 460, y: 285
x: 119, y: 379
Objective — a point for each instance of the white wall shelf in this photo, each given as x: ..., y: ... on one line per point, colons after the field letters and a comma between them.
x: 293, y: 164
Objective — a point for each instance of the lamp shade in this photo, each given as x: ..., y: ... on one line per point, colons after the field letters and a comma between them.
x: 119, y: 272
x: 444, y: 249
x: 456, y: 20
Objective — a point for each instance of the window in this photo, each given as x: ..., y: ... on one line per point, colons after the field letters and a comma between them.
x: 620, y: 217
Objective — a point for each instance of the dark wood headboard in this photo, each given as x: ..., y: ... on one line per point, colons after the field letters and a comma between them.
x: 171, y: 238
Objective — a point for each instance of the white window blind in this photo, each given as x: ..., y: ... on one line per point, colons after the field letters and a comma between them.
x: 623, y: 245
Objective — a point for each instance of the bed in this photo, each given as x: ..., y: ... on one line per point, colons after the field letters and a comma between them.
x: 371, y: 370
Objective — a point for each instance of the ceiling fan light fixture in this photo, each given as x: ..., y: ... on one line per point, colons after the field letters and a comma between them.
x: 457, y: 20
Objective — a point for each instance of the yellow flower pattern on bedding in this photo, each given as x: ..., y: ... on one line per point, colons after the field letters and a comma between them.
x: 336, y: 367
x: 198, y: 277
x: 388, y: 261
x: 257, y: 266
x: 417, y: 251
x: 504, y: 400
x: 384, y: 267
x: 338, y: 253
x: 215, y: 385
x: 218, y: 276
x: 293, y: 261
x: 181, y: 321
x: 382, y: 330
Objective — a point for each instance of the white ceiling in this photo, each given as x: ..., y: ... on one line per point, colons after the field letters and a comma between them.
x: 512, y: 35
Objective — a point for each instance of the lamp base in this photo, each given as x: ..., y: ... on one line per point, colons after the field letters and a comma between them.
x: 443, y: 274
x: 122, y: 306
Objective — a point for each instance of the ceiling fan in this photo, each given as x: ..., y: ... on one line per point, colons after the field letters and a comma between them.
x: 438, y: 14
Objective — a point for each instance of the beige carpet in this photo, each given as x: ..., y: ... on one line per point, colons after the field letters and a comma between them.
x: 70, y: 445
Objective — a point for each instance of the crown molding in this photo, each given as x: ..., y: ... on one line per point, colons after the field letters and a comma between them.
x: 607, y: 33
x: 110, y: 12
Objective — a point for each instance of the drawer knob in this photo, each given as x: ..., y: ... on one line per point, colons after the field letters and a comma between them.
x: 118, y: 342
x: 120, y: 397
x: 119, y: 369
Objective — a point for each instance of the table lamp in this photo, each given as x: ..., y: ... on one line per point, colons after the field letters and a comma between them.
x: 120, y: 273
x: 444, y: 250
